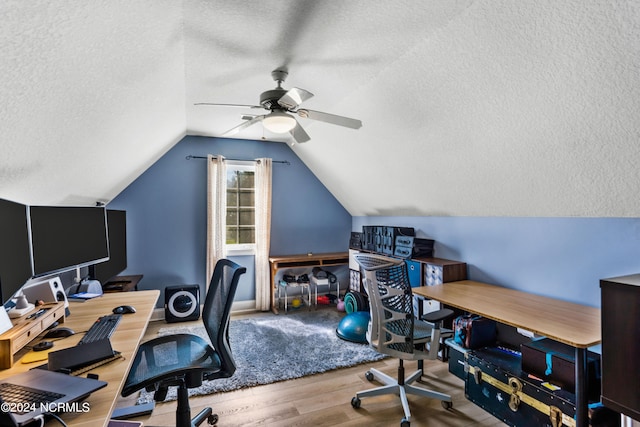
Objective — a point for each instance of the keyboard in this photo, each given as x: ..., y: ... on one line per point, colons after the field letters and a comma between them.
x: 103, y: 328
x: 19, y: 396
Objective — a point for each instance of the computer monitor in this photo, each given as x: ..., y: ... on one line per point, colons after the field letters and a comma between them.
x: 67, y: 237
x: 104, y: 271
x: 15, y: 257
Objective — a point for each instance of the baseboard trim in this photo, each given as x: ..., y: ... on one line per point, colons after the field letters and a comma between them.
x: 239, y: 307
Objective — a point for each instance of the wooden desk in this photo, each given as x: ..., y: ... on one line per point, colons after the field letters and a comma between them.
x: 302, y: 260
x: 574, y: 324
x: 125, y: 339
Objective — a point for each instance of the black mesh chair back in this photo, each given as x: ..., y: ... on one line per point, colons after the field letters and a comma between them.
x: 185, y: 360
x: 217, y: 310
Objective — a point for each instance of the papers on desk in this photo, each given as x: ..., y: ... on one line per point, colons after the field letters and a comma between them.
x: 5, y: 322
x: 84, y: 295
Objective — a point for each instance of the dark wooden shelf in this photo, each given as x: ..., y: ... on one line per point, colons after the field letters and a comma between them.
x: 122, y: 284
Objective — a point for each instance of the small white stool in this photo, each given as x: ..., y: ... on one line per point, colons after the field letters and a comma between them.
x: 304, y: 288
x: 321, y: 282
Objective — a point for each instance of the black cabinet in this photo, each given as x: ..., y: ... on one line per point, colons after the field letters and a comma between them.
x: 621, y: 344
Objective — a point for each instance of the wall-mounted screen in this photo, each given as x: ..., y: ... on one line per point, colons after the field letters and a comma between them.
x: 66, y: 237
x: 117, y: 223
x: 15, y: 258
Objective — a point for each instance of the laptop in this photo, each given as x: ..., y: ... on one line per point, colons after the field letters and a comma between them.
x: 63, y: 390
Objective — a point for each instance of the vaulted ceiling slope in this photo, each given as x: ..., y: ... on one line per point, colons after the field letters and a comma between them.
x: 469, y: 107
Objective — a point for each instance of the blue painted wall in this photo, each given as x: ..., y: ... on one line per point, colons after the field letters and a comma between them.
x: 166, y: 213
x: 562, y: 258
x: 559, y: 257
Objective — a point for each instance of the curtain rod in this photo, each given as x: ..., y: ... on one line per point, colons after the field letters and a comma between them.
x: 189, y: 157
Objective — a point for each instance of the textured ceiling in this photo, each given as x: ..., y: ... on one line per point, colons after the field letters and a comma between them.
x: 484, y: 108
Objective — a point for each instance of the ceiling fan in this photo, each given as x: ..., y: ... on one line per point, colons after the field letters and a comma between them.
x: 281, y: 104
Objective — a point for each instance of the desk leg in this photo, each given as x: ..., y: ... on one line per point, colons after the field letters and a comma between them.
x: 582, y: 401
x: 275, y: 307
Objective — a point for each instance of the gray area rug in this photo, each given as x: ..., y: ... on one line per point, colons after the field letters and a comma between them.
x: 268, y: 348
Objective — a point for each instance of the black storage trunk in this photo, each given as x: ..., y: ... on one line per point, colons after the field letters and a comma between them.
x: 355, y: 241
x: 456, y: 358
x: 554, y: 361
x: 495, y: 383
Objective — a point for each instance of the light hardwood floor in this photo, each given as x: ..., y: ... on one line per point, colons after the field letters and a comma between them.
x: 325, y: 400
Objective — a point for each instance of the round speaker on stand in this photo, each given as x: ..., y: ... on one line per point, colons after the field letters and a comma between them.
x: 181, y: 303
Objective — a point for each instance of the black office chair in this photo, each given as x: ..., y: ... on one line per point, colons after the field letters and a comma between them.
x: 395, y: 331
x: 191, y: 359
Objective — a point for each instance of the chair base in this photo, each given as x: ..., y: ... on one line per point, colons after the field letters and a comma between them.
x: 205, y: 414
x: 183, y: 412
x: 401, y: 388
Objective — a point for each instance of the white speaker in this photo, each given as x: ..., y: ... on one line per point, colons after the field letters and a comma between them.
x: 49, y: 290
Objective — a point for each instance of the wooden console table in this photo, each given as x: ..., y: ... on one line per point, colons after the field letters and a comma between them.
x: 574, y: 324
x: 26, y: 329
x: 278, y: 262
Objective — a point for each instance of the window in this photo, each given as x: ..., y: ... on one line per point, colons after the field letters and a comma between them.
x: 241, y: 223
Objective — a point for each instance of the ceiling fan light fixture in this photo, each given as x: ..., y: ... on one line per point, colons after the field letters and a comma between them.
x: 279, y: 122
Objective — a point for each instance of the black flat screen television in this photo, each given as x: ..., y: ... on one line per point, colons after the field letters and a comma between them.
x: 117, y: 224
x: 67, y: 237
x: 15, y: 256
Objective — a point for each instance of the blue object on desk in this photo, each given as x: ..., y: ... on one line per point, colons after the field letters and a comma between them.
x: 85, y: 295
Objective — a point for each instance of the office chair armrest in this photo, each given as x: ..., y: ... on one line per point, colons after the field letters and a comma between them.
x: 437, y: 316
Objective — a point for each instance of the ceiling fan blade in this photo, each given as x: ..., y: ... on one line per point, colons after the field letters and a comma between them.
x: 330, y: 118
x: 299, y: 134
x: 229, y: 105
x: 250, y: 120
x: 294, y: 97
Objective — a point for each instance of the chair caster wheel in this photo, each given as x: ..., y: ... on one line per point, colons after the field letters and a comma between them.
x: 355, y: 402
x: 405, y: 423
x: 368, y: 375
x: 446, y: 405
x: 212, y: 419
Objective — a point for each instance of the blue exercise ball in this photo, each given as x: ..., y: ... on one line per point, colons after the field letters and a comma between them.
x: 353, y: 327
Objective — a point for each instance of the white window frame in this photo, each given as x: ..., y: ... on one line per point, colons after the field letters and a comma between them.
x: 244, y: 248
